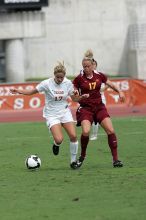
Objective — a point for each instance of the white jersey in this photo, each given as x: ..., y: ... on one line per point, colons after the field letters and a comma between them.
x: 55, y: 96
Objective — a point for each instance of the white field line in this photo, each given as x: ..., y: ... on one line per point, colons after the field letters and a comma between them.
x: 17, y: 138
x: 102, y: 134
x: 138, y: 119
x: 127, y: 133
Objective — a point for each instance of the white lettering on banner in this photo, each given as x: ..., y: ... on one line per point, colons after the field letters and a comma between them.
x: 29, y: 87
x: 5, y: 90
x: 122, y: 85
x: 35, y: 102
x: 20, y: 1
x: 19, y: 103
x: 1, y: 102
x: 115, y: 97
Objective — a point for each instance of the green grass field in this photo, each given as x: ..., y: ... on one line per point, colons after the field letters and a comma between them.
x: 96, y: 191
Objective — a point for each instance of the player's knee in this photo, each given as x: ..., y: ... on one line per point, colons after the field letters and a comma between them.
x: 58, y: 140
x: 85, y: 133
x: 110, y: 131
x: 73, y: 138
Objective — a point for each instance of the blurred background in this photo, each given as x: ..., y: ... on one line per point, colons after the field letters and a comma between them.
x: 35, y: 34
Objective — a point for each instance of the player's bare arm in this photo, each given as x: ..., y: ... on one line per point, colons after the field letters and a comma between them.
x: 116, y: 89
x: 76, y: 97
x: 24, y: 91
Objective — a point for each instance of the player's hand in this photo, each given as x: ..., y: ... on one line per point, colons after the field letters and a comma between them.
x: 14, y: 91
x: 85, y: 96
x: 122, y: 96
x: 76, y: 92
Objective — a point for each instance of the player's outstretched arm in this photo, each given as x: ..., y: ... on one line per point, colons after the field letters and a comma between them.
x: 24, y: 91
x: 116, y: 89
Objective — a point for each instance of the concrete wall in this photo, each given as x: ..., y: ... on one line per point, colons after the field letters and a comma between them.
x: 73, y: 26
x: 21, y: 25
x: 137, y: 39
x: 14, y: 27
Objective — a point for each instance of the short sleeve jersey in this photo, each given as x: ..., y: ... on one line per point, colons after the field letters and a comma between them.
x: 55, y: 96
x: 90, y: 86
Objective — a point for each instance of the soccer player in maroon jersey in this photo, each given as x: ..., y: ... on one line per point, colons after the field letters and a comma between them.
x: 92, y: 108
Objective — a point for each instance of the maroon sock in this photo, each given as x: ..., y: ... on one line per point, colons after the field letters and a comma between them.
x: 84, y: 143
x: 112, y: 142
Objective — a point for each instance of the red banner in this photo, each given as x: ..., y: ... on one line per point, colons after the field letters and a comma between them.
x: 9, y: 101
x: 134, y: 91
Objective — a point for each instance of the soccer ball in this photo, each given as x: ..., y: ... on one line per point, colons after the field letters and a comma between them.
x: 33, y: 162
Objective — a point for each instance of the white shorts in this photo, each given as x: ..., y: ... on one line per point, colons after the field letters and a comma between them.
x: 59, y: 119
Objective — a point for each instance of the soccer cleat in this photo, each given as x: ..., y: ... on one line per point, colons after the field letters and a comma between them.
x: 55, y: 149
x: 93, y: 138
x: 74, y: 165
x: 80, y: 161
x: 117, y: 163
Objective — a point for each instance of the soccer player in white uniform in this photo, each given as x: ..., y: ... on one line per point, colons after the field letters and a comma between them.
x: 56, y: 111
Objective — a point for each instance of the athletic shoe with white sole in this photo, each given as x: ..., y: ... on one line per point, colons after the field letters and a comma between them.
x: 93, y: 138
x: 74, y: 165
x: 55, y: 149
x: 80, y: 161
x: 117, y: 163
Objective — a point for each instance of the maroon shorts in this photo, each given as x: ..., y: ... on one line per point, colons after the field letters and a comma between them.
x: 96, y: 114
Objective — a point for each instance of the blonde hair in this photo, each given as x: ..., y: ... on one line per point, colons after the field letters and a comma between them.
x: 88, y: 56
x: 60, y: 68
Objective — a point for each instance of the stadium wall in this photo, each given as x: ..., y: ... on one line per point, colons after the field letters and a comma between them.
x: 114, y: 30
x: 105, y: 26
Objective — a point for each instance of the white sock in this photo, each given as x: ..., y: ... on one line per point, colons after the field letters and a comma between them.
x: 73, y: 150
x: 56, y: 144
x: 95, y: 129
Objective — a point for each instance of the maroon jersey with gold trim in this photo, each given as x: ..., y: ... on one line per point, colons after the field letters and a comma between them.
x: 90, y: 86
